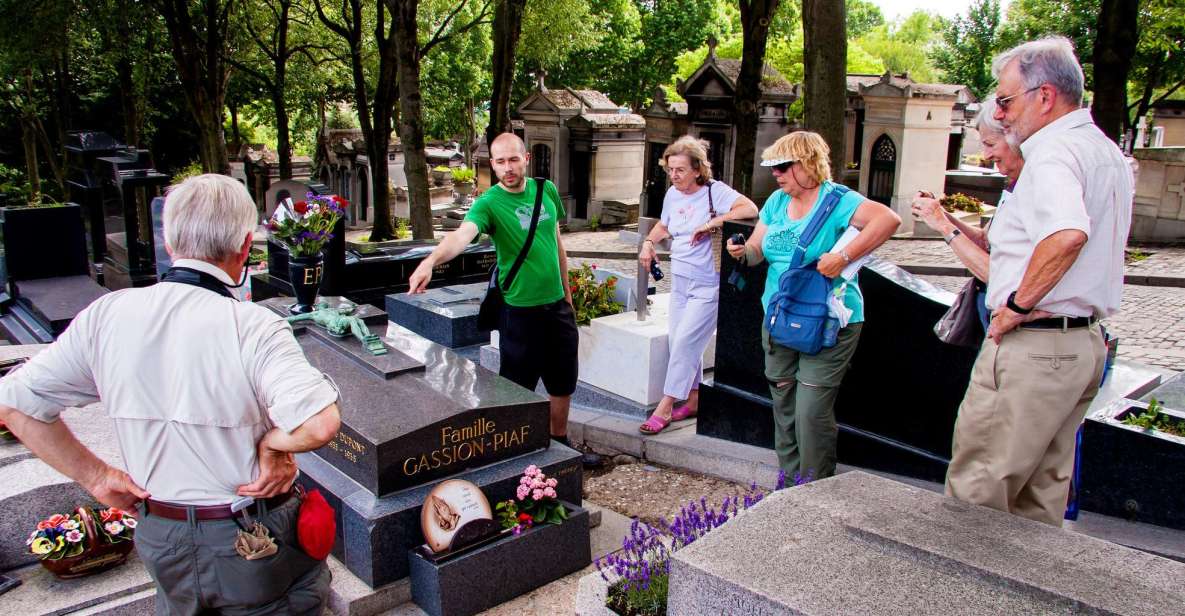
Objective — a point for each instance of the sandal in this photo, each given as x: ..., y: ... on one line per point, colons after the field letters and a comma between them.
x: 654, y: 425
x: 682, y: 412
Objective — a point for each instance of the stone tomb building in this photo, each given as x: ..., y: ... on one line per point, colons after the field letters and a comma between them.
x: 901, y: 136
x: 589, y: 146
x: 708, y: 113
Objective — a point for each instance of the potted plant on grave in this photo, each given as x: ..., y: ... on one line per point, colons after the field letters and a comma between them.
x: 304, y: 228
x: 440, y: 174
x: 463, y: 178
x: 534, y: 503
x: 592, y: 298
x: 1154, y: 419
x: 82, y: 543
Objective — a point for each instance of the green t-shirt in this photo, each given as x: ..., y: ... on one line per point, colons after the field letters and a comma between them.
x: 506, y: 218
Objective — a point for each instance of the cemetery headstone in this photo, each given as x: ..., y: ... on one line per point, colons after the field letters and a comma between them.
x: 410, y: 418
x: 861, y: 544
x: 444, y: 315
x: 131, y: 252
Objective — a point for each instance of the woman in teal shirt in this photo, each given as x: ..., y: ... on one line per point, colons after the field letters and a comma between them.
x: 803, y: 387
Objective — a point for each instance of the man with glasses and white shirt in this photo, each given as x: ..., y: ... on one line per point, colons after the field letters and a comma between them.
x: 1056, y: 269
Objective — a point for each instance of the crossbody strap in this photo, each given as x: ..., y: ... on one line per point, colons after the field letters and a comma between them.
x: 522, y: 254
x: 711, y: 206
x: 818, y: 218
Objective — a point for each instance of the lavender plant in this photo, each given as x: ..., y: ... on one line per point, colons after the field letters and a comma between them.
x: 640, y: 572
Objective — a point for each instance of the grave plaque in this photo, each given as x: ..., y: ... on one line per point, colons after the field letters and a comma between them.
x: 445, y: 315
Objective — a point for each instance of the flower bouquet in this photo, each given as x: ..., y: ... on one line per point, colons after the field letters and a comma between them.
x: 535, y: 503
x: 77, y: 544
x: 305, y: 226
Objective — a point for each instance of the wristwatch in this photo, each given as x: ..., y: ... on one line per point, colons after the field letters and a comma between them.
x: 951, y: 237
x: 1011, y: 303
x: 844, y: 253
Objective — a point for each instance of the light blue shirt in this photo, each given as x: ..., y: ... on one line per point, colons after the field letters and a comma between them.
x: 781, y: 240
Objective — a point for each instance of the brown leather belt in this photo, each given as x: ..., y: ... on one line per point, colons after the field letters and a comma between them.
x: 173, y: 511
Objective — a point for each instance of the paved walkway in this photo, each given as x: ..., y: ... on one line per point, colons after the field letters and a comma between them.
x: 1150, y: 324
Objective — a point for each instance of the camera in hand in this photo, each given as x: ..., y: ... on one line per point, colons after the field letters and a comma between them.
x: 737, y: 277
x: 655, y: 271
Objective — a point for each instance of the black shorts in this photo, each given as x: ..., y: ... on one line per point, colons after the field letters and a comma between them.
x: 540, y: 342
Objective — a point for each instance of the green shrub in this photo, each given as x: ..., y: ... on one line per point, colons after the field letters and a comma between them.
x: 190, y: 170
x: 594, y: 223
x: 591, y: 299
x: 463, y: 174
x: 13, y: 184
x: 962, y: 203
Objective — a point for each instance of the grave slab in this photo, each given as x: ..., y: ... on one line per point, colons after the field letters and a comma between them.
x: 444, y: 315
x: 860, y: 544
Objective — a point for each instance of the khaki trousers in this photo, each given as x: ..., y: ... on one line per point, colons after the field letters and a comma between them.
x: 1016, y: 430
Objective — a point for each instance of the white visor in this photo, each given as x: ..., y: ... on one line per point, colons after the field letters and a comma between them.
x: 774, y: 162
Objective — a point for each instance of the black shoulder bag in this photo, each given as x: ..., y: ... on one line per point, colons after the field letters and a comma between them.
x: 490, y: 311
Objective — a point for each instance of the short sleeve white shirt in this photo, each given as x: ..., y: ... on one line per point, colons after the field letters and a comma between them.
x: 682, y: 214
x: 191, y: 378
x: 1073, y: 178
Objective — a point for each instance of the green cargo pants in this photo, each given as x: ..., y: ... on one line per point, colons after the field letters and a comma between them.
x: 803, y: 389
x: 197, y: 570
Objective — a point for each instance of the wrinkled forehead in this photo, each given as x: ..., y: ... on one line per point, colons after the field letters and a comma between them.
x: 1010, y: 78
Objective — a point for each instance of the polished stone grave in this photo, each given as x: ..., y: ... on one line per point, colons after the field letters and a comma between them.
x: 410, y: 418
x: 444, y: 315
x: 897, y: 404
x: 861, y: 544
x: 1130, y: 472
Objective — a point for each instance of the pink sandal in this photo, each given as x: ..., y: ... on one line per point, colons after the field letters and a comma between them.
x: 654, y: 425
x: 682, y: 412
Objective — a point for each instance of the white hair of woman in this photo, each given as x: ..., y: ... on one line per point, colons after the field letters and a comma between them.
x: 1049, y: 60
x: 208, y: 217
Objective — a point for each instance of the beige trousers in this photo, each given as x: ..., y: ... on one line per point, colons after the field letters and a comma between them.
x: 1016, y: 430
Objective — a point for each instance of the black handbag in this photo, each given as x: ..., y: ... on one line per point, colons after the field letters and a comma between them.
x: 960, y: 325
x: 490, y: 311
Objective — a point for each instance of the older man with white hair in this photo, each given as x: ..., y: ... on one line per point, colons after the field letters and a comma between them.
x: 1056, y: 268
x: 210, y: 398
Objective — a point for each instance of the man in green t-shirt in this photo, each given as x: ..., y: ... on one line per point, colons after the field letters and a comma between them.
x: 538, y: 335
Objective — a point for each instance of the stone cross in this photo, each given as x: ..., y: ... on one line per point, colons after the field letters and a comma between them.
x: 540, y: 76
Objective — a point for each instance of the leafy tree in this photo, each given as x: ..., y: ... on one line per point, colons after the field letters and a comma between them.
x: 506, y: 29
x: 863, y: 16
x: 756, y: 16
x: 903, y: 47
x: 968, y: 44
x: 200, y: 32
x: 1158, y: 68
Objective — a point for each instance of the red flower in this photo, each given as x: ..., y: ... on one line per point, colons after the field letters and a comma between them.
x: 44, y: 524
x: 340, y: 201
x: 111, y: 514
x: 57, y: 519
x: 301, y: 207
x: 524, y: 517
x: 594, y: 266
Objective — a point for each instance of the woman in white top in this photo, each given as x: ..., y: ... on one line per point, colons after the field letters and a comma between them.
x: 972, y: 248
x: 693, y: 209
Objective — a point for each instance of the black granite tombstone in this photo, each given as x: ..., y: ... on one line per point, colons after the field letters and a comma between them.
x: 445, y: 315
x: 897, y: 405
x: 89, y: 189
x: 1132, y: 472
x: 410, y: 418
x: 131, y: 253
x: 47, y: 282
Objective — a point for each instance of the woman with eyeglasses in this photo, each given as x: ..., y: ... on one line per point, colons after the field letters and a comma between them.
x: 970, y: 244
x: 803, y: 387
x: 694, y: 208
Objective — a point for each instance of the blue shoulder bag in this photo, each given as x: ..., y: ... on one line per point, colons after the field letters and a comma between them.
x: 798, y: 316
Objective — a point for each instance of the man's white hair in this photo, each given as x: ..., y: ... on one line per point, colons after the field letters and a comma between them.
x: 1045, y: 61
x: 207, y: 217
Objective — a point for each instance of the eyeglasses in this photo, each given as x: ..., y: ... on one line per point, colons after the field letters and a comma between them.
x: 783, y: 167
x: 1004, y: 102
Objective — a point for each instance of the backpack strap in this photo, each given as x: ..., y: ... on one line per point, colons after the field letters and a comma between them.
x: 819, y: 217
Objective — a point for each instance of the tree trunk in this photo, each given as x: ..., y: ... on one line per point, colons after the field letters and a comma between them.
x: 825, y: 53
x: 29, y: 141
x: 283, y: 139
x: 411, y: 126
x: 470, y: 132
x: 1113, y: 50
x: 507, y: 26
x: 127, y: 101
x: 755, y: 20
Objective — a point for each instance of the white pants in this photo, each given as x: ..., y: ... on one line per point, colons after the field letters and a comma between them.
x: 691, y: 322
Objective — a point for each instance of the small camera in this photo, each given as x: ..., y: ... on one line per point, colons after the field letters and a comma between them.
x: 737, y: 239
x: 655, y: 271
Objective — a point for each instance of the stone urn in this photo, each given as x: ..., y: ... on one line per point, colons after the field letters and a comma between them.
x: 305, y: 275
x: 464, y: 189
x: 440, y: 177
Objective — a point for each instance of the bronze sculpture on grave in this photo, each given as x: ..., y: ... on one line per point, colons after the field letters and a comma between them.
x: 341, y: 322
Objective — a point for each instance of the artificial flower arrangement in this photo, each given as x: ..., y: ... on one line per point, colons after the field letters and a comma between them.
x: 78, y: 544
x: 535, y: 502
x: 305, y: 226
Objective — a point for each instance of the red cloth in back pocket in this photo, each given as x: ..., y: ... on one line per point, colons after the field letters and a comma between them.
x: 316, y: 525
